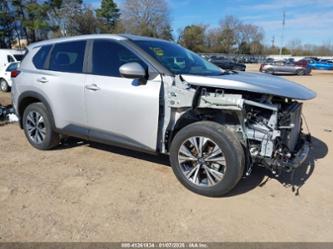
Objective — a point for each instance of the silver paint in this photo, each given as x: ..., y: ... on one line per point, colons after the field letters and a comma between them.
x: 254, y: 82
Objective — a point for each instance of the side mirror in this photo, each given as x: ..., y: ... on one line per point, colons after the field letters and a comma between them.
x: 132, y: 70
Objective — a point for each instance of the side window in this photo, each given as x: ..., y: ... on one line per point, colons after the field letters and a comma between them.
x: 39, y: 59
x: 108, y: 56
x: 68, y: 57
x: 10, y: 59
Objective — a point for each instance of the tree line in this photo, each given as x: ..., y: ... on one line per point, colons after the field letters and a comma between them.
x: 36, y: 20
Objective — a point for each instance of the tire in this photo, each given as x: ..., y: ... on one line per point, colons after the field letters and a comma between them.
x: 4, y: 86
x: 230, y: 169
x: 300, y: 72
x: 45, y: 138
x: 270, y: 71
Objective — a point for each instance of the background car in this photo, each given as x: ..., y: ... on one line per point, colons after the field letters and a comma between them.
x: 320, y: 64
x: 5, y: 76
x: 227, y: 64
x: 285, y: 67
x: 10, y: 55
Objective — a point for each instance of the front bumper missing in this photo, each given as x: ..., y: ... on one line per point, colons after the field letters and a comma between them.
x: 300, y: 156
x: 297, y: 160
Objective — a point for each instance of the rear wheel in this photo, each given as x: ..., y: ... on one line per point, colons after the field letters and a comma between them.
x: 37, y: 127
x: 207, y: 158
x: 4, y: 85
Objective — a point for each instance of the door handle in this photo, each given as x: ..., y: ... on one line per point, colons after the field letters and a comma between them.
x: 93, y: 87
x: 42, y: 80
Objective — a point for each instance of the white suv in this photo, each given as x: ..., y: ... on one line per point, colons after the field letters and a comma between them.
x: 155, y: 96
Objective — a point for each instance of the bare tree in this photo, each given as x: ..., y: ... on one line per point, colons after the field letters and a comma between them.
x: 146, y: 17
x: 83, y: 22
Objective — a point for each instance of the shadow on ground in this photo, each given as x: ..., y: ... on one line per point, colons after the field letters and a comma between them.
x: 295, y: 180
x: 259, y: 177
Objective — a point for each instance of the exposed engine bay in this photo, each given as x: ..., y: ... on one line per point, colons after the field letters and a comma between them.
x: 269, y: 127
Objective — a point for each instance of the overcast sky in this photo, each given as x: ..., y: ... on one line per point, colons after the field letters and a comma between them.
x: 311, y: 21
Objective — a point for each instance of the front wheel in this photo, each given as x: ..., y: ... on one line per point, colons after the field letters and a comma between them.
x: 207, y: 158
x: 300, y: 72
x: 269, y: 71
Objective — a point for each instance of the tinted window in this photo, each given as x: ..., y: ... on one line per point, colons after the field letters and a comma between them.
x: 19, y: 57
x: 68, y: 57
x: 40, y: 57
x: 12, y: 67
x: 108, y: 56
x: 10, y: 58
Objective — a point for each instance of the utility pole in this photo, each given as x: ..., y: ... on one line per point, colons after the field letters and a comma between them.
x: 282, y: 33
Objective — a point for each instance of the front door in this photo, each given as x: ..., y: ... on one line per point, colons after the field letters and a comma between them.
x: 118, y: 109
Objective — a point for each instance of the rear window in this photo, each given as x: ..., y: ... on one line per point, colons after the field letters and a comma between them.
x: 19, y: 57
x: 68, y: 57
x: 40, y: 57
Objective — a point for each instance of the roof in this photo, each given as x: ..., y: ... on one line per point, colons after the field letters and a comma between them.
x: 95, y: 36
x: 76, y: 38
x: 11, y: 51
x: 140, y: 38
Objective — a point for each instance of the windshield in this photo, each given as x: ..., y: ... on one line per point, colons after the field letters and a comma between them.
x: 177, y: 59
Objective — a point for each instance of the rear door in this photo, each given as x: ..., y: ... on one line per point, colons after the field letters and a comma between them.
x: 63, y: 84
x: 120, y: 110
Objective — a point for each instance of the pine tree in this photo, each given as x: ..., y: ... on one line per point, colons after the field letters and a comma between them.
x: 108, y: 15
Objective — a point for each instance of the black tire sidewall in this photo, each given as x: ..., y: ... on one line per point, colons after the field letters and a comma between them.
x: 48, y: 142
x: 269, y: 71
x: 230, y: 147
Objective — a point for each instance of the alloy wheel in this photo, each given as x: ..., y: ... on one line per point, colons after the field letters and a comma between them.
x: 35, y: 126
x: 202, y: 161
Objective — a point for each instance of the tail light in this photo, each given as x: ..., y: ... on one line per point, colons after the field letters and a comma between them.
x: 14, y: 73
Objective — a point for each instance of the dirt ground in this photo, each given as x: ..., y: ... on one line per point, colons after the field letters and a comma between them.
x: 91, y: 192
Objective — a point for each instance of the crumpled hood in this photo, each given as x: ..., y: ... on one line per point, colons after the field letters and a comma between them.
x: 254, y: 82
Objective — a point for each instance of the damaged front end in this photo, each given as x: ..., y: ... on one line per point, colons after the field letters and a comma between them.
x: 269, y: 127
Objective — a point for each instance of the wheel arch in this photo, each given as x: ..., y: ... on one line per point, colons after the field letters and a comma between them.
x: 28, y: 98
x: 224, y: 117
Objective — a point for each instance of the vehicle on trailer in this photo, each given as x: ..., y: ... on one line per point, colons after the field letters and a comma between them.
x: 5, y: 76
x: 124, y: 90
x: 282, y: 67
x: 227, y: 64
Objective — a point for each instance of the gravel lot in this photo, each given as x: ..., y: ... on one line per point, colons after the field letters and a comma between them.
x: 92, y: 192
